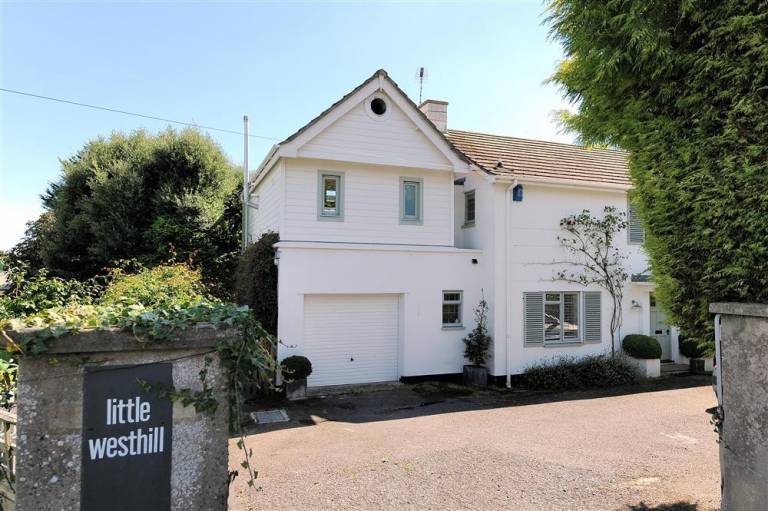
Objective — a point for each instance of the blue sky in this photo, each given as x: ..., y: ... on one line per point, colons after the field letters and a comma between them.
x: 280, y: 63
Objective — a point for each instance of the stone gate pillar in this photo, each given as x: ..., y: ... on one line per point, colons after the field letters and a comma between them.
x: 743, y: 365
x: 92, y: 437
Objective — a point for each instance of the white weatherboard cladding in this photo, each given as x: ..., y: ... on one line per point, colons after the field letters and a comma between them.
x: 269, y: 195
x: 357, y: 137
x: 371, y: 205
x: 351, y: 338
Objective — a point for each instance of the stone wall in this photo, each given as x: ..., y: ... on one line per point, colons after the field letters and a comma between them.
x: 50, y: 415
x: 744, y: 369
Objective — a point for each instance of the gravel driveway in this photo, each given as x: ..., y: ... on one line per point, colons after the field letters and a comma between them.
x: 434, y: 446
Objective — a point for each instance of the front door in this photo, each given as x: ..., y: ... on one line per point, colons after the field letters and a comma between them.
x: 660, y: 329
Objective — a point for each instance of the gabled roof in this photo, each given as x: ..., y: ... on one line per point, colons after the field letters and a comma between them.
x: 518, y: 157
x: 286, y: 146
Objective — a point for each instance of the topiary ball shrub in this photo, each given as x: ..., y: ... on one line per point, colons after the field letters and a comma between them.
x: 296, y: 367
x: 691, y: 348
x: 641, y: 346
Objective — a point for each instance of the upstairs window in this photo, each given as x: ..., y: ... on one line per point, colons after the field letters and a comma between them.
x: 331, y: 197
x: 452, y: 309
x: 469, y: 208
x: 635, y: 231
x: 411, y: 200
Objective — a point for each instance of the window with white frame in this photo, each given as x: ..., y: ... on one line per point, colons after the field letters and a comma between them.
x: 558, y: 317
x: 561, y: 317
x: 330, y: 196
x: 469, y: 208
x: 452, y: 309
x: 411, y: 195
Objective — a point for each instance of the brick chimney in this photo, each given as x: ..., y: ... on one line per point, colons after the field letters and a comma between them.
x: 437, y: 112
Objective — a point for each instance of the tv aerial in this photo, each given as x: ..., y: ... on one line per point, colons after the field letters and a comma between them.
x: 421, y: 76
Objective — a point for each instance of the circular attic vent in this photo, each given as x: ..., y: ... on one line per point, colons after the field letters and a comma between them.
x: 378, y: 106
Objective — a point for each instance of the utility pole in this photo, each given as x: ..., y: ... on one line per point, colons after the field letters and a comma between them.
x: 245, y: 182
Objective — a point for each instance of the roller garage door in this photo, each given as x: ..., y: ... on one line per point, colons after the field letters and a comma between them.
x: 351, y: 338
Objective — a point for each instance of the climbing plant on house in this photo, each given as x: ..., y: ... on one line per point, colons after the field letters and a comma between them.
x: 594, y: 260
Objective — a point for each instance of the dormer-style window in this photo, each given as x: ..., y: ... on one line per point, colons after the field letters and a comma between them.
x: 330, y: 196
x: 411, y: 197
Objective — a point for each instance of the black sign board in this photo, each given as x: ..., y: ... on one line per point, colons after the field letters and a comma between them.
x: 126, y: 460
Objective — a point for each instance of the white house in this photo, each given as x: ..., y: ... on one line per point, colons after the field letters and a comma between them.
x: 392, y: 227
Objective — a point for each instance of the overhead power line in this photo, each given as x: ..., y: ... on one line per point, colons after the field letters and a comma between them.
x: 125, y: 112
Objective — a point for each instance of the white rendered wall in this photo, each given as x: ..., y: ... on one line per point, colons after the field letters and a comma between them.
x: 536, y: 256
x: 418, y: 275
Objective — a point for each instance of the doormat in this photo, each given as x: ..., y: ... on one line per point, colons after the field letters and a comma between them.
x: 269, y: 416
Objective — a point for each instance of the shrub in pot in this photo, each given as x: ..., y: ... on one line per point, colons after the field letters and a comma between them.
x: 476, y: 346
x: 644, y: 353
x: 296, y: 369
x: 697, y: 354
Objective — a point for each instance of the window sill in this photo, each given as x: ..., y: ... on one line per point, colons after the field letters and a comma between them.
x: 453, y: 327
x: 468, y: 225
x: 560, y: 344
x: 330, y: 218
x: 404, y: 221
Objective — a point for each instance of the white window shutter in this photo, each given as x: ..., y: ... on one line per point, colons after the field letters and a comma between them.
x: 635, y: 230
x: 534, y: 319
x: 592, y: 317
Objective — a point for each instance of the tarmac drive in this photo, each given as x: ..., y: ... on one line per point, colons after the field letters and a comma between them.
x: 436, y: 446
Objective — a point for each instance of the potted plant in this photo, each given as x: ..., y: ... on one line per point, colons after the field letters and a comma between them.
x: 476, y: 346
x: 699, y: 361
x: 296, y: 369
x: 644, y: 352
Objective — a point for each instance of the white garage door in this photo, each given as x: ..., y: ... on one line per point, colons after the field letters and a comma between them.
x: 351, y: 338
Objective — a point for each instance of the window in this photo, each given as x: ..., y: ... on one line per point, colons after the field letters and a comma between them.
x: 635, y: 231
x: 410, y: 200
x: 452, y: 309
x: 553, y: 317
x: 378, y: 106
x: 330, y: 196
x: 561, y: 317
x: 469, y: 208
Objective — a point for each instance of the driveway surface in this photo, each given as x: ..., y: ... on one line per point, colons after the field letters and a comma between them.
x: 439, y: 446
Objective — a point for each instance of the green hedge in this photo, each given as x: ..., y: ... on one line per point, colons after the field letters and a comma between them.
x: 641, y: 346
x: 570, y: 373
x: 256, y: 281
x: 691, y: 348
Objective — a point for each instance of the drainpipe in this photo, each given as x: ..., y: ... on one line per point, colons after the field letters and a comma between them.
x: 507, y: 286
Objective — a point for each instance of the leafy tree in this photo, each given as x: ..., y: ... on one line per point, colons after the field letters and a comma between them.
x: 594, y: 258
x: 153, y: 198
x: 29, y: 251
x: 682, y: 87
